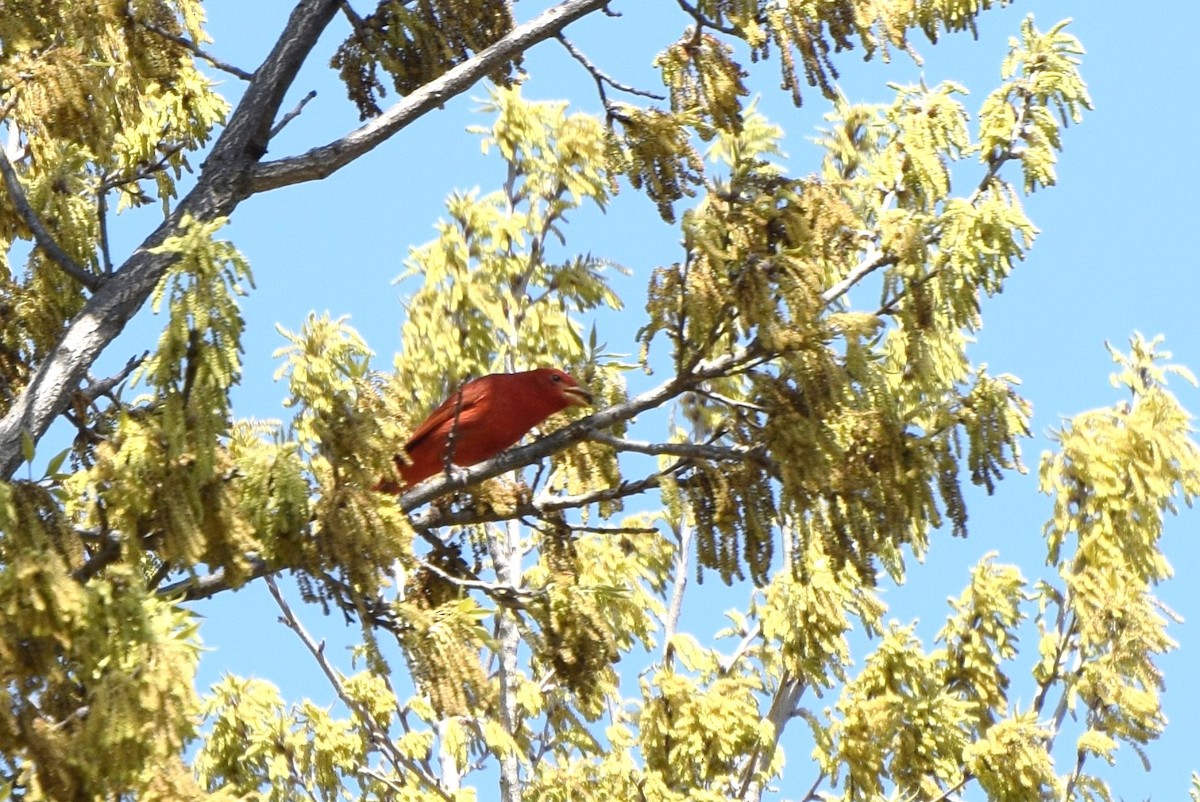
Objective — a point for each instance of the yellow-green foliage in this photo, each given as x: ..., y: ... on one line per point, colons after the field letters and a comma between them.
x: 702, y: 76
x: 1011, y: 761
x: 807, y: 622
x: 1117, y: 472
x: 981, y: 635
x: 873, y: 414
x: 102, y: 668
x: 100, y: 103
x: 1041, y: 75
x: 162, y: 480
x: 696, y: 730
x: 415, y: 43
x: 815, y: 331
x: 899, y: 723
x: 339, y: 425
x: 260, y: 748
x: 653, y: 150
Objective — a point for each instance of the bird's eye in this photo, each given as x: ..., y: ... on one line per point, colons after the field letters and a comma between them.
x: 555, y: 377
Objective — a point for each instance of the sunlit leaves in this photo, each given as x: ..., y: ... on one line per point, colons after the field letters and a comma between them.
x: 163, y: 475
x: 653, y: 149
x: 340, y: 425
x: 703, y: 77
x: 257, y: 745
x: 96, y: 99
x: 810, y: 619
x: 416, y: 42
x: 981, y: 635
x: 1042, y: 82
x: 1011, y: 762
x: 1117, y: 473
x: 899, y: 723
x: 493, y: 293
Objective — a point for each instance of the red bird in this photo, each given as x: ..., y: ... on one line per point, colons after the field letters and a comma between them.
x: 485, y: 416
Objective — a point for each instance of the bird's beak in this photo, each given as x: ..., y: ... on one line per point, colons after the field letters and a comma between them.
x: 577, y: 396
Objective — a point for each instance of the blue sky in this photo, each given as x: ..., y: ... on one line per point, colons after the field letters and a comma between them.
x: 1115, y: 255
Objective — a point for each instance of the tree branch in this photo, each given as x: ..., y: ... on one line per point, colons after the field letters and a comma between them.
x: 195, y: 588
x: 600, y: 77
x: 196, y: 50
x: 580, y: 429
x: 294, y: 113
x: 43, y: 238
x: 223, y: 183
x: 692, y: 450
x: 378, y: 732
x: 327, y: 159
x: 682, y: 570
x: 783, y: 709
x: 540, y: 507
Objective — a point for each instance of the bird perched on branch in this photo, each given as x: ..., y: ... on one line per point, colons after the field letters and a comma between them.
x: 485, y: 416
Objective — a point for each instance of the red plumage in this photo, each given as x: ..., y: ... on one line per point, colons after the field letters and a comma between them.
x: 485, y: 416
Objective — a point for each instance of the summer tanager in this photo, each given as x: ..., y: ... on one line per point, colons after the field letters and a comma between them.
x: 485, y: 416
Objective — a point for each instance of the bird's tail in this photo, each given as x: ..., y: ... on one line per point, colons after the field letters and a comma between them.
x: 395, y: 485
x: 389, y: 486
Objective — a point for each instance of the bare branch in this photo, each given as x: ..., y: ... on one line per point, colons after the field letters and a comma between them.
x: 434, y: 517
x: 874, y: 260
x: 600, y: 77
x: 682, y: 571
x: 43, y: 238
x: 693, y: 450
x: 294, y: 113
x: 328, y: 159
x: 378, y: 732
x: 108, y: 553
x: 704, y: 22
x: 102, y: 387
x: 783, y: 709
x: 505, y: 595
x: 958, y: 786
x: 196, y: 50
x: 102, y: 221
x: 195, y: 588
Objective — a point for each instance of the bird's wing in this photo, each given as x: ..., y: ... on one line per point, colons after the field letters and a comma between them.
x: 471, y: 396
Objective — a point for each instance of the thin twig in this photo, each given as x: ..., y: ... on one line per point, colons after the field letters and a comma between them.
x: 378, y: 732
x: 704, y: 22
x: 682, y: 571
x: 356, y: 22
x: 46, y: 242
x: 104, y: 387
x: 966, y: 778
x: 144, y: 171
x: 693, y: 450
x: 539, y: 507
x: 602, y: 77
x: 729, y: 662
x: 196, y: 50
x: 504, y: 595
x: 293, y: 114
x: 102, y: 220
x: 812, y: 789
x: 194, y: 588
